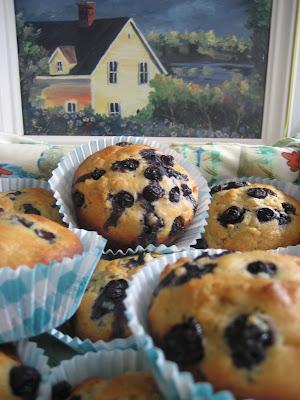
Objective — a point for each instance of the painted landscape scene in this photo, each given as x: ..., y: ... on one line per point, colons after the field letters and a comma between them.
x: 162, y: 68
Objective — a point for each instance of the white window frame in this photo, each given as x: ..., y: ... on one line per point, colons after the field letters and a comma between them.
x: 73, y: 103
x: 59, y: 66
x: 279, y: 86
x: 114, y: 112
x: 143, y: 73
x: 113, y: 72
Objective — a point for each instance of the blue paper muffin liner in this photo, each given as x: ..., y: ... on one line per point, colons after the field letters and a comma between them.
x: 62, y: 178
x: 32, y: 356
x: 35, y: 300
x: 85, y: 346
x: 105, y: 364
x: 180, y: 384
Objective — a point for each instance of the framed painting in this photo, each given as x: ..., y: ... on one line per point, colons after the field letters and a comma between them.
x: 183, y: 70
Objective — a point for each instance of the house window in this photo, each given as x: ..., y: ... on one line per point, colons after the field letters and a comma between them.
x: 59, y: 66
x: 114, y: 109
x: 71, y: 106
x: 143, y: 73
x: 112, y: 73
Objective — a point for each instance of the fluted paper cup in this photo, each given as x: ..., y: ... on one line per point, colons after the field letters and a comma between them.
x: 105, y: 364
x: 87, y: 345
x: 62, y: 178
x: 32, y: 356
x: 35, y: 300
x: 167, y: 373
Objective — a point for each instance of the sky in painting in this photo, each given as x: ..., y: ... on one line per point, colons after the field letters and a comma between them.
x: 223, y: 16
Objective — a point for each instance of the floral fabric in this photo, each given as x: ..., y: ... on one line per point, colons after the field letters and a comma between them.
x: 26, y: 158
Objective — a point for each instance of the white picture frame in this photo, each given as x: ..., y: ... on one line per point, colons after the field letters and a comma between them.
x: 281, y: 50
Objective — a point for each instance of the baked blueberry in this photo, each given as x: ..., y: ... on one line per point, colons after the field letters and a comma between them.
x: 152, y: 225
x: 265, y: 214
x: 41, y: 233
x: 29, y: 209
x: 125, y: 165
x: 183, y: 343
x: 24, y: 381
x: 154, y: 173
x: 153, y: 191
x: 148, y: 154
x: 260, y: 193
x: 283, y: 219
x: 248, y: 337
x: 135, y: 262
x: 110, y: 298
x: 256, y: 267
x: 233, y: 215
x: 123, y: 144
x: 97, y: 173
x: 172, y: 173
x: 177, y: 226
x: 174, y: 194
x: 124, y: 199
x: 12, y: 195
x: 61, y: 390
x: 227, y: 186
x: 186, y: 190
x: 167, y: 161
x: 289, y: 208
x: 78, y: 198
x: 192, y: 271
x: 21, y: 220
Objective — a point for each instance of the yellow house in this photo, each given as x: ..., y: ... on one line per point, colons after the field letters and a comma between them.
x: 103, y: 63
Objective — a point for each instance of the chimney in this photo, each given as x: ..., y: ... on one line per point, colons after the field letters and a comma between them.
x: 87, y: 13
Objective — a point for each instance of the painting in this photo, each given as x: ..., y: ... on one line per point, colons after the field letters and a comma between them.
x: 162, y: 68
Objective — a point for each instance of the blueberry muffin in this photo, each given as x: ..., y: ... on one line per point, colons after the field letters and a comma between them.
x: 27, y: 239
x: 133, y: 194
x: 33, y: 201
x: 129, y: 386
x: 236, y: 322
x: 100, y: 315
x: 16, y: 380
x: 252, y: 216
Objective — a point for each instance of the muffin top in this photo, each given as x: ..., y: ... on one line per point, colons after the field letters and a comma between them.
x: 100, y: 315
x: 36, y: 201
x: 131, y: 385
x: 236, y: 321
x: 16, y: 380
x: 133, y: 194
x: 252, y: 216
x: 27, y: 239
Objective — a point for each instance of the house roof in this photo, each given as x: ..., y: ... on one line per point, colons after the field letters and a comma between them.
x: 90, y: 44
x: 69, y: 53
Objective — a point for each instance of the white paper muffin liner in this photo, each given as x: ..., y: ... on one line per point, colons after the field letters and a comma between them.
x: 32, y: 356
x: 84, y: 346
x: 35, y: 300
x: 8, y: 184
x: 105, y: 364
x: 139, y: 294
x: 62, y: 178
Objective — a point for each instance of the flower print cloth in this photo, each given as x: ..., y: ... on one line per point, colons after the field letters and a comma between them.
x: 24, y: 157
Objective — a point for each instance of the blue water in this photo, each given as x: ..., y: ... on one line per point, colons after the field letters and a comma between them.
x: 212, y: 73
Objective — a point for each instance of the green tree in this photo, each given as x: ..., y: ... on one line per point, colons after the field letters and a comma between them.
x: 33, y: 60
x: 258, y: 22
